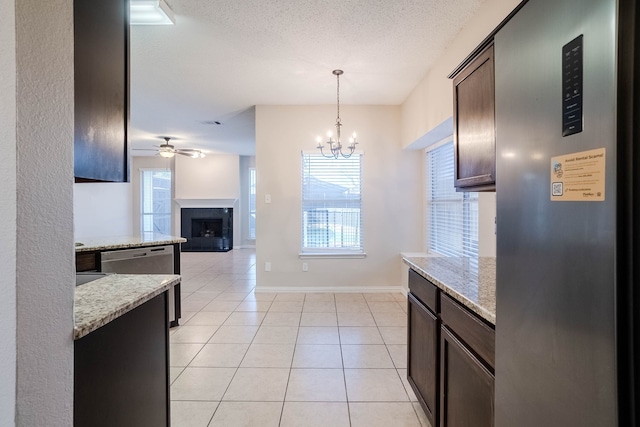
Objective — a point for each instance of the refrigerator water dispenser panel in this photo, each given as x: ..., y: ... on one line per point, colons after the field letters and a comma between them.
x: 572, y: 87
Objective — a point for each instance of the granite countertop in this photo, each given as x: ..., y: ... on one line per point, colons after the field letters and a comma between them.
x: 101, y: 301
x: 126, y: 242
x: 473, y: 287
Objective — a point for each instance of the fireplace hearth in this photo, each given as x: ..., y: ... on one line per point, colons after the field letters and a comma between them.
x: 207, y: 229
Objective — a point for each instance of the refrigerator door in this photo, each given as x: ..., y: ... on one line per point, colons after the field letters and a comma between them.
x: 555, y: 326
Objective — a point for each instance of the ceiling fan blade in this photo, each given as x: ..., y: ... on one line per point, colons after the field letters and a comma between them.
x: 143, y: 149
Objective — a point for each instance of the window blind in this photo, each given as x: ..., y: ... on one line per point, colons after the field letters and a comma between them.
x: 252, y: 203
x: 452, y: 217
x: 331, y: 204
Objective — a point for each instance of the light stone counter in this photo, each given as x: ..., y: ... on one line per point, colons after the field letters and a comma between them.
x: 473, y: 287
x: 101, y: 301
x: 126, y: 242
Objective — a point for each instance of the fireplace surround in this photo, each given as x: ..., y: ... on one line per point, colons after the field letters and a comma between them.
x: 207, y: 229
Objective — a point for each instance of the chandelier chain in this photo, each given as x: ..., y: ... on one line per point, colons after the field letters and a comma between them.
x: 338, y: 98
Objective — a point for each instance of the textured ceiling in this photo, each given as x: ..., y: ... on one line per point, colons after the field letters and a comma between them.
x: 221, y: 58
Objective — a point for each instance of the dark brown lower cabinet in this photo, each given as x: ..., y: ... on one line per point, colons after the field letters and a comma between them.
x: 121, y: 370
x: 466, y: 386
x: 450, y: 358
x: 422, y: 366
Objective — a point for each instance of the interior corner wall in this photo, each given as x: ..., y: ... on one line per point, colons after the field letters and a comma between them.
x: 45, y: 272
x: 138, y: 163
x: 431, y: 102
x: 8, y: 207
x: 391, y: 194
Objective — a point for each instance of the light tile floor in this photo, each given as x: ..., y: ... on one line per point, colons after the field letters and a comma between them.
x: 245, y: 358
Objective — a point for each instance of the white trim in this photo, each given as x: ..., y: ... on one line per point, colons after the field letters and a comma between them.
x: 433, y: 136
x: 332, y: 255
x: 333, y: 289
x: 206, y: 203
x: 439, y: 143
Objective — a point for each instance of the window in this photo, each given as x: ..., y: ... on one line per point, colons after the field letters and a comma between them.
x: 155, y: 200
x: 252, y: 203
x: 331, y: 204
x: 452, y: 217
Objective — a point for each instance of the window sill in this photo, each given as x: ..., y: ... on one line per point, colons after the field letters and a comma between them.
x: 332, y: 255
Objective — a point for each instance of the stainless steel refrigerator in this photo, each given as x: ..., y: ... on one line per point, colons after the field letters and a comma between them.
x: 567, y: 196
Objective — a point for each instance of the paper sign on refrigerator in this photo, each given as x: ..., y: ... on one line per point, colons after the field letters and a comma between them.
x: 578, y: 177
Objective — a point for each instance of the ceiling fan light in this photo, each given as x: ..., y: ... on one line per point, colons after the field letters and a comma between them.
x: 167, y: 154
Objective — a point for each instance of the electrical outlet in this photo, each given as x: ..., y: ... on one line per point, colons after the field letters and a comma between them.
x: 305, y: 266
x: 267, y: 266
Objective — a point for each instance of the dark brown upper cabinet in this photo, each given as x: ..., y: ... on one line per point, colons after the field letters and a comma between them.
x: 474, y: 124
x: 101, y: 64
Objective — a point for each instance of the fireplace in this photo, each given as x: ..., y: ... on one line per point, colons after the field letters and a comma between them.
x: 207, y: 229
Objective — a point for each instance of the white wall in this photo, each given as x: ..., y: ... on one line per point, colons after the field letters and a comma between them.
x: 8, y: 225
x: 45, y: 270
x: 391, y: 193
x: 217, y: 176
x: 431, y: 102
x: 102, y: 209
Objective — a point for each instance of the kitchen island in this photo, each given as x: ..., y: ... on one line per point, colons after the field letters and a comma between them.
x: 451, y: 338
x: 121, y: 350
x: 147, y: 253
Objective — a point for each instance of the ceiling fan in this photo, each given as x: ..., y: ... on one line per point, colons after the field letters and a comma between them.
x: 167, y: 150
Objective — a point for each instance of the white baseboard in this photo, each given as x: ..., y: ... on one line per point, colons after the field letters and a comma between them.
x: 332, y: 289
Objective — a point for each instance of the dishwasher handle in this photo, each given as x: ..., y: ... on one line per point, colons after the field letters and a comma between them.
x: 124, y: 254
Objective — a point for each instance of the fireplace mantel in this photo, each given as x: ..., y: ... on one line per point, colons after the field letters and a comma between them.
x: 206, y: 203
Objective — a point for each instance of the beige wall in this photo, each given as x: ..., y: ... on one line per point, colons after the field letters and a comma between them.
x: 431, y: 102
x: 392, y: 197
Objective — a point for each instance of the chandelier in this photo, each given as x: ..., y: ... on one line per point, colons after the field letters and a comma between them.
x: 335, y: 145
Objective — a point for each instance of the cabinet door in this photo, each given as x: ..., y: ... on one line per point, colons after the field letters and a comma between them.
x: 466, y: 386
x: 101, y: 65
x: 422, y: 366
x: 474, y: 125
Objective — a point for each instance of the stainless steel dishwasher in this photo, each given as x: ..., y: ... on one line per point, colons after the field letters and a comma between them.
x: 151, y: 260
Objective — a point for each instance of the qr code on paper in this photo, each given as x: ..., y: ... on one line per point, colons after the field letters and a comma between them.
x: 556, y: 189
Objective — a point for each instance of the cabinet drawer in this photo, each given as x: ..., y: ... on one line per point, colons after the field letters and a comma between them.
x: 478, y: 336
x: 424, y: 290
x: 86, y: 261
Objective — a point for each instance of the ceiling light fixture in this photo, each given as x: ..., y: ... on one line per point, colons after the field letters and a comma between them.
x: 336, y: 145
x: 168, y: 150
x: 150, y: 12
